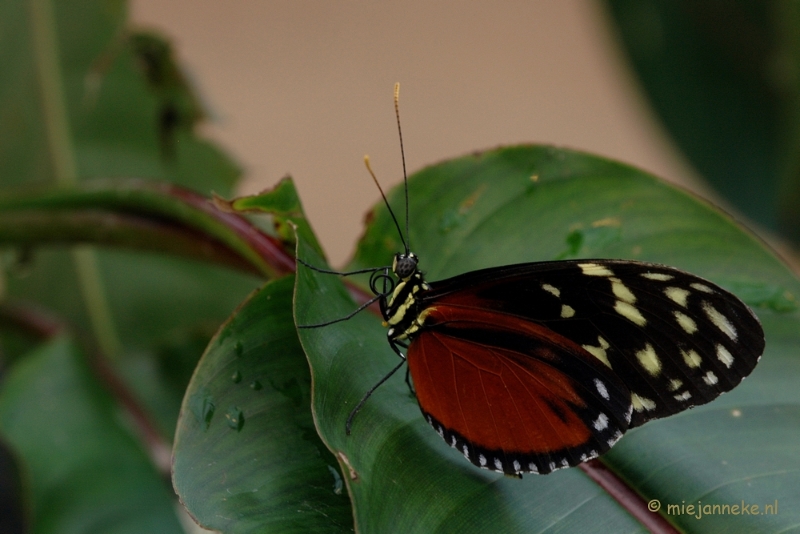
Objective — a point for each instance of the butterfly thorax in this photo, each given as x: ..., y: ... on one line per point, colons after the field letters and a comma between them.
x: 402, y: 308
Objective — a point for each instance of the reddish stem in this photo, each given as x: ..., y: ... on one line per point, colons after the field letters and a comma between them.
x: 627, y: 497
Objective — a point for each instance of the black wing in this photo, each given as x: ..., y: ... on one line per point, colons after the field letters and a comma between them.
x: 674, y: 339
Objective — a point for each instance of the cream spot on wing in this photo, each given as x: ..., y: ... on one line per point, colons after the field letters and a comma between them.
x: 685, y: 322
x: 532, y: 468
x: 552, y: 290
x: 482, y: 460
x: 599, y: 351
x: 710, y: 378
x: 630, y: 313
x: 701, y: 287
x: 621, y: 291
x: 601, y: 388
x: 642, y: 403
x: 601, y: 423
x: 720, y: 321
x: 649, y: 360
x: 691, y: 358
x: 677, y: 295
x: 567, y: 311
x: 659, y: 277
x: 683, y: 396
x: 517, y: 467
x: 498, y: 465
x: 614, y: 438
x: 675, y: 384
x: 593, y: 269
x: 724, y: 356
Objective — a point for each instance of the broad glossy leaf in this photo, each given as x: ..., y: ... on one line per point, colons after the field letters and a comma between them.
x: 247, y: 457
x: 534, y: 203
x: 86, y: 473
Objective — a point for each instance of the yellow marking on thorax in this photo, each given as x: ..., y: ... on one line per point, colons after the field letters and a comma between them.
x: 419, y: 321
x: 396, y: 292
x: 401, y: 310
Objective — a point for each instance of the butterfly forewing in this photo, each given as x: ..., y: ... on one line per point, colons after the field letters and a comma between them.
x: 659, y: 340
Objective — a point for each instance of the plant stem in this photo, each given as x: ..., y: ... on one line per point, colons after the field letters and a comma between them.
x: 62, y: 155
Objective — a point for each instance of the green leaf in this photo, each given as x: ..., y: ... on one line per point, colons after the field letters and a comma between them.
x: 521, y: 204
x: 247, y: 457
x: 282, y: 204
x: 76, y: 94
x: 112, y: 110
x: 77, y: 102
x: 84, y: 470
x: 722, y: 77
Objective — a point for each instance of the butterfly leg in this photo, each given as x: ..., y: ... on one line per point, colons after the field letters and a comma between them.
x: 408, y: 382
x: 367, y: 395
x: 345, y: 318
x: 403, y: 344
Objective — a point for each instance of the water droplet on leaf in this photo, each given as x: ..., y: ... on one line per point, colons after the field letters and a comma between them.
x: 235, y: 418
x: 202, y: 406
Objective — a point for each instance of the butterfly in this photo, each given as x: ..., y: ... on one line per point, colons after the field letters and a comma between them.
x: 535, y: 367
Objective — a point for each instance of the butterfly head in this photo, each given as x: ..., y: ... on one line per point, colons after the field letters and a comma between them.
x: 405, y: 265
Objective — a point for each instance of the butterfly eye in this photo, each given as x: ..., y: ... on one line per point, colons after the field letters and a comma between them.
x: 405, y: 265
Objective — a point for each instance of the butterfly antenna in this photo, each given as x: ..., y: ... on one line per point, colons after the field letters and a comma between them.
x: 385, y: 201
x: 402, y: 154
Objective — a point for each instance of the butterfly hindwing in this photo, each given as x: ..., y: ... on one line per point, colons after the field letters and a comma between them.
x: 513, y: 396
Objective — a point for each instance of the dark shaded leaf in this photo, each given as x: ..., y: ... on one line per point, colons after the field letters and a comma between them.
x: 13, y: 494
x: 722, y: 76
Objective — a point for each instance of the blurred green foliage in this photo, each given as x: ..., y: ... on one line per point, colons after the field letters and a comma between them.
x: 724, y: 78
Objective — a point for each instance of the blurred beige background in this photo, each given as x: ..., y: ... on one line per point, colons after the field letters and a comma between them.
x: 304, y: 88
